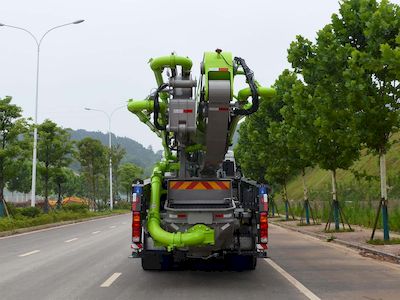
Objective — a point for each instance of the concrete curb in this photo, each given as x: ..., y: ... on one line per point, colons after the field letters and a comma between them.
x: 363, y: 248
x: 52, y: 225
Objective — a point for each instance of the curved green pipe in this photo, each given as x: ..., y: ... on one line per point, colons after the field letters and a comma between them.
x: 263, y: 92
x: 170, y: 61
x: 139, y: 105
x: 242, y: 96
x: 232, y: 128
x: 197, y: 235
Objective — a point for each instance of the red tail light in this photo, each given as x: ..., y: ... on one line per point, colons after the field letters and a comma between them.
x: 264, y: 202
x: 136, y: 227
x: 263, y: 227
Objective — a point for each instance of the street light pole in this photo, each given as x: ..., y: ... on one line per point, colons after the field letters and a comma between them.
x: 38, y: 44
x: 109, y: 117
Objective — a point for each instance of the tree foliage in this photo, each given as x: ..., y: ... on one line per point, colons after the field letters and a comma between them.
x: 12, y: 150
x: 128, y: 174
x: 54, y: 153
x: 92, y: 156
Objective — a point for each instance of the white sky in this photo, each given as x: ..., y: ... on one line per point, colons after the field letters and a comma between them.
x: 102, y: 62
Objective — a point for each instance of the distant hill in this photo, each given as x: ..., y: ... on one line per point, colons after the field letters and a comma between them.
x: 135, y: 152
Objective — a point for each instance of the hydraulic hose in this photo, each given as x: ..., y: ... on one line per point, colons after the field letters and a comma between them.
x: 157, y: 107
x: 197, y: 235
x: 253, y: 88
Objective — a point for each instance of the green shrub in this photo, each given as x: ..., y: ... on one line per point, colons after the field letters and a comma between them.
x: 12, y: 209
x: 31, y: 212
x: 76, y: 207
x: 122, y: 205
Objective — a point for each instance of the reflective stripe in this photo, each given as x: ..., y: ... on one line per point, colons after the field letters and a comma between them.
x: 200, y: 185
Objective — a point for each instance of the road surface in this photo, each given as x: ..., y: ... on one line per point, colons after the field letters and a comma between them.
x: 90, y: 261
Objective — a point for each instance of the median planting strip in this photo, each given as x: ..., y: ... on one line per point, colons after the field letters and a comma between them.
x: 50, y: 226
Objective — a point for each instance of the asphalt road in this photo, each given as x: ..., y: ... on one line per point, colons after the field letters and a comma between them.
x: 90, y: 261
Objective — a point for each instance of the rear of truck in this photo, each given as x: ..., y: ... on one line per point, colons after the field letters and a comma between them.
x: 197, y: 205
x: 236, y: 210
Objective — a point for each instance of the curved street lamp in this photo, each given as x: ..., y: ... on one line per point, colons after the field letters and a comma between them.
x: 38, y: 42
x: 109, y: 117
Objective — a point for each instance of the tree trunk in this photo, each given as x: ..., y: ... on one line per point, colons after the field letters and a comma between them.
x: 335, y: 202
x: 59, y: 195
x: 305, y: 192
x: 46, y: 190
x: 305, y: 189
x: 285, y: 199
x: 3, y: 203
x: 384, y: 200
x: 1, y: 189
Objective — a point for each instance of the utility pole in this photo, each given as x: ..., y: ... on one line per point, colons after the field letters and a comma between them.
x: 38, y: 42
x: 109, y: 117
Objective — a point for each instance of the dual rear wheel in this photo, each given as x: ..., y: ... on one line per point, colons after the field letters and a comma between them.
x: 162, y: 260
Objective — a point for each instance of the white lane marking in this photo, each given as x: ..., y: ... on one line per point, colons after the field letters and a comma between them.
x: 71, y: 240
x: 110, y: 280
x: 29, y: 253
x: 310, y: 295
x: 113, y: 226
x: 96, y: 232
x: 123, y: 223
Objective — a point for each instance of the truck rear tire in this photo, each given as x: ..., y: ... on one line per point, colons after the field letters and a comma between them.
x: 242, y: 262
x: 156, y: 260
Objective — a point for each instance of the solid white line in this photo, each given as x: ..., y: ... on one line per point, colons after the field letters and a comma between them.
x: 310, y: 295
x: 29, y: 253
x: 113, y: 226
x: 110, y: 280
x: 96, y: 232
x: 71, y: 240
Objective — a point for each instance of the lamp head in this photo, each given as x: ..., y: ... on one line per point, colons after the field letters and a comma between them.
x: 78, y: 21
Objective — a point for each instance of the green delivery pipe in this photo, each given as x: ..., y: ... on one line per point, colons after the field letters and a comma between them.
x: 263, y: 92
x: 195, y: 236
x: 171, y: 61
x: 139, y: 105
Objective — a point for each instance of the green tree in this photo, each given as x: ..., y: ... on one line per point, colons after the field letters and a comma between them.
x: 246, y: 153
x: 22, y: 179
x: 300, y: 133
x: 12, y: 127
x: 54, y: 152
x: 334, y: 139
x: 117, y: 154
x: 92, y: 156
x: 64, y: 183
x: 289, y: 150
x: 370, y: 28
x: 75, y: 185
x: 128, y: 173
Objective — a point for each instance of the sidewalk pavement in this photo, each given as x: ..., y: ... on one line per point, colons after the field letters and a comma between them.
x: 356, y: 239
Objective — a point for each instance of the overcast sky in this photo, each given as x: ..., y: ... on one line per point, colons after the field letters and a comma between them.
x: 103, y: 62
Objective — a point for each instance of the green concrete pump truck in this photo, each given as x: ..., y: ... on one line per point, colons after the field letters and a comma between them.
x: 197, y: 205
